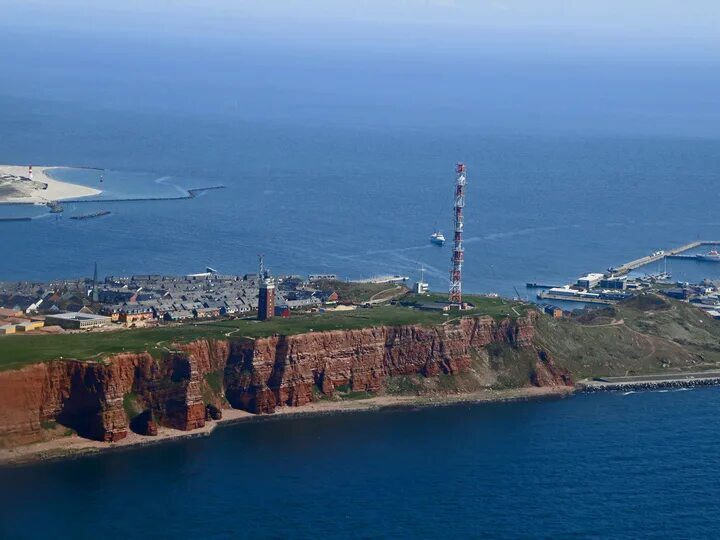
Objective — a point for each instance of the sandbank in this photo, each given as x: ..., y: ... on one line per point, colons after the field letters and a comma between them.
x: 16, y: 187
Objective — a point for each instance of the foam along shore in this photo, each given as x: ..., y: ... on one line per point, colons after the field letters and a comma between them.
x: 73, y: 446
x: 16, y: 187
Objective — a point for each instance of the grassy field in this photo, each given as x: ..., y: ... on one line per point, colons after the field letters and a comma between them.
x: 355, y: 292
x: 18, y: 350
x: 649, y: 334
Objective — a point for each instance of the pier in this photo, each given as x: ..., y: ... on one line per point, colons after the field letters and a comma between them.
x: 581, y: 291
x: 541, y: 286
x: 659, y: 255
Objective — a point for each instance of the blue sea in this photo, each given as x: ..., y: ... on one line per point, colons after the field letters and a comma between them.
x: 337, y: 156
x: 591, y: 466
x: 342, y: 161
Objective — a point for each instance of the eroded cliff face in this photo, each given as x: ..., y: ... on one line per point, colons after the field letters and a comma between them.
x: 285, y: 370
x: 89, y: 397
x: 100, y: 400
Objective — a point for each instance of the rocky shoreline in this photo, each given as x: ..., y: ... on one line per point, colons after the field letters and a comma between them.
x: 73, y: 447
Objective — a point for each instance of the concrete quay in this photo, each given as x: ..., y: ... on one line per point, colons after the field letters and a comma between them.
x: 659, y: 255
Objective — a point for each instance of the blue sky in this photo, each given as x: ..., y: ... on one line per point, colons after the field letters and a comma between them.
x: 616, y: 29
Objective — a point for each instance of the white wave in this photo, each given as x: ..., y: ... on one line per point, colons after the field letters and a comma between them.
x: 165, y: 181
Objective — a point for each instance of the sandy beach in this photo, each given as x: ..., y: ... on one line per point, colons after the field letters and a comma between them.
x: 16, y: 187
x: 74, y: 446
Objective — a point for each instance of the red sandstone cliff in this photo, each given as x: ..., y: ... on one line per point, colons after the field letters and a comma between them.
x: 256, y: 375
x: 89, y: 396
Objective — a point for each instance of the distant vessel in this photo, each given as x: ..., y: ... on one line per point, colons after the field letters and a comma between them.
x: 437, y: 238
x: 709, y: 256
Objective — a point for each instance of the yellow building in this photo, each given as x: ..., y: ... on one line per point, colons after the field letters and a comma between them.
x: 29, y: 326
x: 7, y: 329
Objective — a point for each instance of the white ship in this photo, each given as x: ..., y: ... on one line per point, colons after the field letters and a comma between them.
x: 437, y: 238
x: 709, y: 256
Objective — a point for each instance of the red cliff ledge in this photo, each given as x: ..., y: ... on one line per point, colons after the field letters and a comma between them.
x: 103, y: 400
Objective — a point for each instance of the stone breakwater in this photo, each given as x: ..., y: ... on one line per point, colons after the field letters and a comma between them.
x: 650, y: 383
x: 185, y: 388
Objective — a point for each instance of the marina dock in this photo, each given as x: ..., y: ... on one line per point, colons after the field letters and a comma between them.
x: 610, y: 287
x: 659, y: 255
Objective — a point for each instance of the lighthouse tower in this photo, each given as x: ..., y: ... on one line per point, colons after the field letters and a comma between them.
x: 30, y: 172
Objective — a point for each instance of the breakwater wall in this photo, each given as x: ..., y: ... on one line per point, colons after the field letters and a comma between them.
x: 191, y: 194
x: 650, y: 383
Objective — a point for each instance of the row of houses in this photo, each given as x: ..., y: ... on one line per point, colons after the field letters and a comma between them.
x: 136, y: 300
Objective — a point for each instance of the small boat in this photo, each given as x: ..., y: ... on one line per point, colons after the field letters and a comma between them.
x: 709, y: 256
x: 437, y: 238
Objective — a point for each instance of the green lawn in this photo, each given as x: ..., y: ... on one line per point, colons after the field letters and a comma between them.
x: 18, y: 350
x: 354, y: 292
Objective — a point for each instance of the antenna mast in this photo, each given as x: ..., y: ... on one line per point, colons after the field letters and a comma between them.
x: 458, y: 255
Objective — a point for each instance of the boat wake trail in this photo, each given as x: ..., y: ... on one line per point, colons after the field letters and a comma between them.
x: 518, y: 232
x: 165, y: 181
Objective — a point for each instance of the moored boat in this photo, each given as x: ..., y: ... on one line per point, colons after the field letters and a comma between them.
x: 713, y: 255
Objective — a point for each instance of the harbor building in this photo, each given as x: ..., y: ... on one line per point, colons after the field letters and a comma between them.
x: 614, y: 282
x: 266, y: 301
x: 590, y: 280
x: 77, y: 321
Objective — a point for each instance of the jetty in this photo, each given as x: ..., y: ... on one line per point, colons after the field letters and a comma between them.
x: 15, y: 219
x: 659, y: 255
x: 93, y: 215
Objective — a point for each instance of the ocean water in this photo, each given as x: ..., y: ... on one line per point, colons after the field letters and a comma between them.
x: 341, y: 161
x: 592, y: 466
x: 337, y: 156
x: 360, y: 202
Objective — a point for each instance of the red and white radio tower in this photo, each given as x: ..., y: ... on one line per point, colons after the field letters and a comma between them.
x: 458, y: 251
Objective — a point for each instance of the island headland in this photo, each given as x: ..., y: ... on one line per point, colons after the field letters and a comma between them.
x: 82, y: 392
